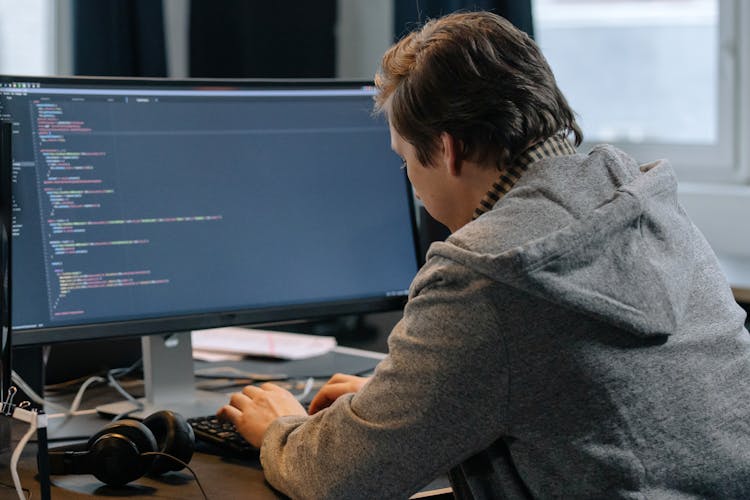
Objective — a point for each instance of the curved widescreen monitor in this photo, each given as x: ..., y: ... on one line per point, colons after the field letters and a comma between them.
x: 151, y: 206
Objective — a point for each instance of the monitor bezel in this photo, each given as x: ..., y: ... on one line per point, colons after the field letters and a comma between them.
x: 235, y: 317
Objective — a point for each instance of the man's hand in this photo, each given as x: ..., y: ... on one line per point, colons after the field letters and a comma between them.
x: 256, y: 407
x: 337, y: 386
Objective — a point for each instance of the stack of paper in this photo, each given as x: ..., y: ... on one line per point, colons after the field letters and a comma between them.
x: 234, y: 343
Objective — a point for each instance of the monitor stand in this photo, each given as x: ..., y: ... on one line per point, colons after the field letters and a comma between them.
x: 169, y: 381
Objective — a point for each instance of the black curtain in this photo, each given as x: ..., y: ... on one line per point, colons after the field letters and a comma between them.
x: 119, y: 38
x: 241, y: 38
x: 409, y: 14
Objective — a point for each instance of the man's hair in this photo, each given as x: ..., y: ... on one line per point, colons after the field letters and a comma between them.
x: 477, y: 77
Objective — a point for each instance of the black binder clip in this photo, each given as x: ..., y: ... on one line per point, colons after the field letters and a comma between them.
x: 7, y: 405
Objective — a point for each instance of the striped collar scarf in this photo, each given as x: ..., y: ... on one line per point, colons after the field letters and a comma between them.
x: 556, y: 145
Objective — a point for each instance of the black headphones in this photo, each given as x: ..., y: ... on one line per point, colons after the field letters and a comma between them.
x: 114, y: 455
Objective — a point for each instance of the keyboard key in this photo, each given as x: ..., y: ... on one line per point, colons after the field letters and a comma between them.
x: 222, y: 435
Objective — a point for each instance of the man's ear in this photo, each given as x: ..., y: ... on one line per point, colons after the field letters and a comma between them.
x: 451, y: 150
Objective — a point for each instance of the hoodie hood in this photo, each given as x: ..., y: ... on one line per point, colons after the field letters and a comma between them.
x: 597, y: 234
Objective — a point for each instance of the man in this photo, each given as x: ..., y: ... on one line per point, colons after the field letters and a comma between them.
x: 573, y: 337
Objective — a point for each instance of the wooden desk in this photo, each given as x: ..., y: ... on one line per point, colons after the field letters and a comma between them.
x: 741, y: 294
x: 221, y: 477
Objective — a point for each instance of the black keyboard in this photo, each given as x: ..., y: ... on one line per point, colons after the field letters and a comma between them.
x: 222, y: 435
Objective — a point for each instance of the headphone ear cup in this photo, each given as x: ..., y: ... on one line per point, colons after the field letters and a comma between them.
x: 116, y: 452
x: 174, y: 436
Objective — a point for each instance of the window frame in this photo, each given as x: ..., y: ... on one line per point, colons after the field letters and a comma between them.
x: 721, y: 161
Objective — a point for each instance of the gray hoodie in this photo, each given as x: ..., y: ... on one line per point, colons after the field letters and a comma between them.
x: 577, y: 341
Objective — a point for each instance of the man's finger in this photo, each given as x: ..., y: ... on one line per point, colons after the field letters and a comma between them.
x: 230, y: 413
x: 271, y: 387
x: 251, y: 391
x: 240, y: 400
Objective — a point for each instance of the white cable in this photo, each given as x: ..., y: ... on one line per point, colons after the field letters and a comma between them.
x: 33, y: 395
x: 79, y: 395
x: 31, y: 418
x: 48, y: 404
x: 307, y: 389
x: 116, y: 386
x: 138, y: 405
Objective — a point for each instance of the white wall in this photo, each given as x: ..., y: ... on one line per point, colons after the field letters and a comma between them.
x: 176, y: 33
x: 722, y: 213
x: 63, y: 41
x: 365, y: 31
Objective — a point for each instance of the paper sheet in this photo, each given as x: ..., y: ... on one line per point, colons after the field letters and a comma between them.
x: 246, y: 341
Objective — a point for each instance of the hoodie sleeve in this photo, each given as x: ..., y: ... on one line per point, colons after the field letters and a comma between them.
x: 439, y: 397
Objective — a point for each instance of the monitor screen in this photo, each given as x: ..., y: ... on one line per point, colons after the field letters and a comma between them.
x: 149, y: 206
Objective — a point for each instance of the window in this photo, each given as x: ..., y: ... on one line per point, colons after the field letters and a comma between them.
x: 654, y: 77
x: 27, y: 37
